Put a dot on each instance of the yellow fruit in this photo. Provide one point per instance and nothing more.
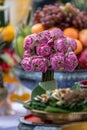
(8, 33)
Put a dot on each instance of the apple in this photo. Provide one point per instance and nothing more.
(83, 37)
(82, 58)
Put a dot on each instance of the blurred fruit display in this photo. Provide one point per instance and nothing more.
(7, 34)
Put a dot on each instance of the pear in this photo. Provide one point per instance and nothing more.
(19, 46)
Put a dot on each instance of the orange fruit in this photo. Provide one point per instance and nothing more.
(36, 28)
(71, 32)
(8, 33)
(52, 28)
(79, 47)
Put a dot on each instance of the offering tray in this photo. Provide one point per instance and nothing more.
(31, 122)
(60, 118)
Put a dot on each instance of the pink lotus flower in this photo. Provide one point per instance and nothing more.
(43, 37)
(43, 50)
(71, 44)
(39, 64)
(70, 62)
(29, 42)
(61, 45)
(26, 54)
(51, 43)
(57, 61)
(49, 50)
(56, 33)
(26, 64)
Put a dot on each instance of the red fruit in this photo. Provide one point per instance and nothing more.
(83, 59)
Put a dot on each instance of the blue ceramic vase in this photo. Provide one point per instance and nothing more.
(64, 79)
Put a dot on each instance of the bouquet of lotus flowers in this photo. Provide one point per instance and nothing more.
(49, 51)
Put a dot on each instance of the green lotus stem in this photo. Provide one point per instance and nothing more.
(48, 75)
